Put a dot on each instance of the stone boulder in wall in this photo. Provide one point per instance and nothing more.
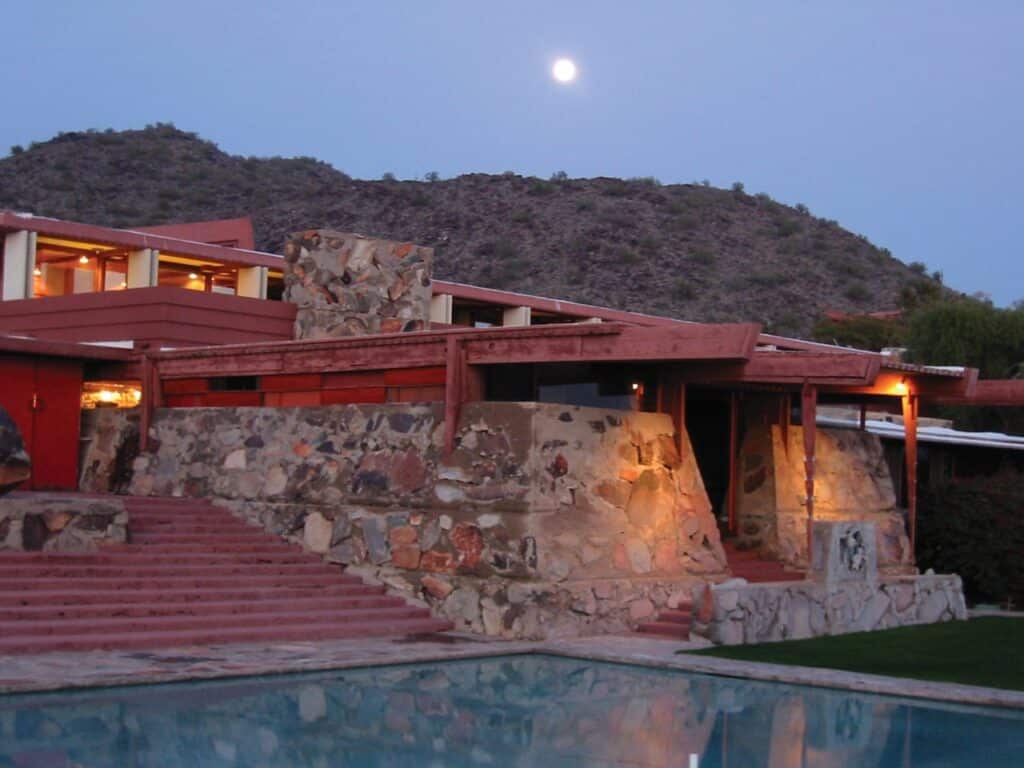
(15, 465)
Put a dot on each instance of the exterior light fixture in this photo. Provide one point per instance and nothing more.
(901, 387)
(193, 276)
(83, 259)
(37, 272)
(635, 386)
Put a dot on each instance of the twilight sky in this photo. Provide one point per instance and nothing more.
(902, 120)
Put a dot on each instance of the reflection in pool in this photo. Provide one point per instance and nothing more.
(508, 711)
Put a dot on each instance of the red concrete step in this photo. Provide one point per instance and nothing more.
(318, 631)
(71, 595)
(177, 582)
(41, 571)
(242, 537)
(211, 547)
(197, 608)
(111, 556)
(137, 624)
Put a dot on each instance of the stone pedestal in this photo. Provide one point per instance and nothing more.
(843, 551)
(349, 285)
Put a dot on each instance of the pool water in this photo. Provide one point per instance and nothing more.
(506, 711)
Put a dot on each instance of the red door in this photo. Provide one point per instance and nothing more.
(43, 396)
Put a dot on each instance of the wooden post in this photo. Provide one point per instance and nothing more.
(679, 412)
(910, 405)
(734, 430)
(146, 417)
(863, 416)
(452, 391)
(785, 417)
(809, 417)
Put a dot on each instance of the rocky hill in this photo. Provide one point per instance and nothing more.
(687, 250)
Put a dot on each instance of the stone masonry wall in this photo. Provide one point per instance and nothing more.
(348, 285)
(111, 442)
(736, 612)
(545, 520)
(852, 482)
(53, 523)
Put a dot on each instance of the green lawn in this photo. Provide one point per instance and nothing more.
(988, 651)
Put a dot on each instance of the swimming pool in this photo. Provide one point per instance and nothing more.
(506, 711)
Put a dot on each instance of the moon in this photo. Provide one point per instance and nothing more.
(564, 70)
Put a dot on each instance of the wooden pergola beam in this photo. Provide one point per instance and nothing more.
(793, 368)
(990, 392)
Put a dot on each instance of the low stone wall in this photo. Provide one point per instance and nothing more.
(735, 612)
(545, 520)
(110, 445)
(55, 524)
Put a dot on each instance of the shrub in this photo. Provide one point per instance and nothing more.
(787, 227)
(702, 256)
(388, 176)
(801, 208)
(974, 528)
(857, 292)
(648, 244)
(539, 188)
(17, 149)
(737, 187)
(683, 291)
(432, 176)
(919, 267)
(559, 176)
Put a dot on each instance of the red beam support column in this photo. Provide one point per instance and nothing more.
(146, 417)
(453, 390)
(809, 417)
(734, 430)
(910, 405)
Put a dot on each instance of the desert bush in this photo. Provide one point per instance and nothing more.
(857, 292)
(976, 528)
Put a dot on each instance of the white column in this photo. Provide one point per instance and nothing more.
(143, 268)
(515, 316)
(252, 282)
(19, 264)
(441, 308)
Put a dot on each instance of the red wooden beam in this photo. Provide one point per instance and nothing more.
(992, 392)
(795, 368)
(454, 357)
(809, 417)
(910, 406)
(627, 344)
(734, 426)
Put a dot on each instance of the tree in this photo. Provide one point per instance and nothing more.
(976, 334)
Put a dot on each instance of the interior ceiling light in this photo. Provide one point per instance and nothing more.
(193, 276)
(37, 272)
(83, 259)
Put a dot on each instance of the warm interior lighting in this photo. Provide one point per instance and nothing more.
(110, 394)
(193, 276)
(37, 272)
(635, 385)
(901, 387)
(83, 260)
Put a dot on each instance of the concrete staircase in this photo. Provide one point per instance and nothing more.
(192, 574)
(670, 623)
(749, 565)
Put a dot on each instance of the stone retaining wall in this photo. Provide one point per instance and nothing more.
(55, 524)
(735, 612)
(546, 519)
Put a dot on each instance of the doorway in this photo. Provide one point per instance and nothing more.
(43, 397)
(707, 421)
